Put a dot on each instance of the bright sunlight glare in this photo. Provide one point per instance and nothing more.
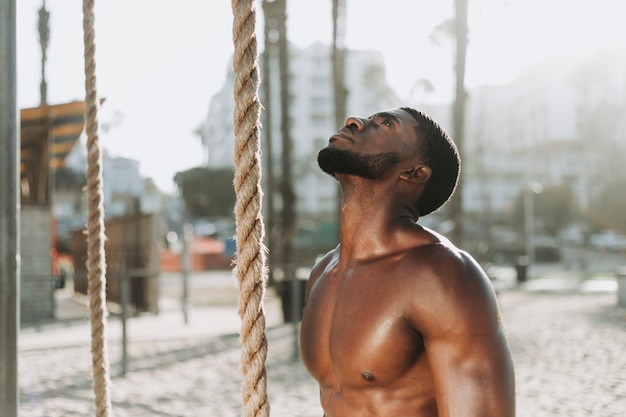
(160, 63)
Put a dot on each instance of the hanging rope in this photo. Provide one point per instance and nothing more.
(96, 265)
(250, 263)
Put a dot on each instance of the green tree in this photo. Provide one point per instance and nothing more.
(207, 192)
(608, 210)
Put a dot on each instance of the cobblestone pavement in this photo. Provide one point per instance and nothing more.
(568, 351)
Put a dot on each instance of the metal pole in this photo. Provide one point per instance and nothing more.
(9, 213)
(186, 261)
(529, 222)
(124, 293)
(621, 286)
(296, 311)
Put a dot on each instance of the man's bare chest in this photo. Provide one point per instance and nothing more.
(357, 324)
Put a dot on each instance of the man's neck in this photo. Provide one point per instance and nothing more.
(371, 222)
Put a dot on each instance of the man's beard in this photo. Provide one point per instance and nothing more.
(337, 161)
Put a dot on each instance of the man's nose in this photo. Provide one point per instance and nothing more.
(357, 122)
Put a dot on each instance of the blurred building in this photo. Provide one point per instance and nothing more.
(47, 135)
(133, 227)
(53, 198)
(125, 191)
(311, 110)
(560, 123)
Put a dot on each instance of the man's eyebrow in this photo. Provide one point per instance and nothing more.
(386, 115)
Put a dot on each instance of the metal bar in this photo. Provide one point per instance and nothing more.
(9, 213)
(187, 240)
(124, 281)
(296, 310)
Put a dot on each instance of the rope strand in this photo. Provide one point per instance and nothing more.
(250, 262)
(96, 265)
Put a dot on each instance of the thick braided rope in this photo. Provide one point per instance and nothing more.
(250, 263)
(96, 265)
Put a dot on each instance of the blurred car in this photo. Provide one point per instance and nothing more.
(574, 234)
(608, 240)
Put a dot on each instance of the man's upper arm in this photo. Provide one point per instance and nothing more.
(466, 347)
(473, 375)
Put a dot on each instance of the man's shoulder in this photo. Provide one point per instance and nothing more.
(434, 250)
(447, 282)
(323, 261)
(444, 268)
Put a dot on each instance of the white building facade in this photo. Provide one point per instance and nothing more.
(555, 125)
(312, 120)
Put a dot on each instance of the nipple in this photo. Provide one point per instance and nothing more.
(367, 376)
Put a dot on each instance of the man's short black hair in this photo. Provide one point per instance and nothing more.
(439, 152)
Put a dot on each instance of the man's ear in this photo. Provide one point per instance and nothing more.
(418, 174)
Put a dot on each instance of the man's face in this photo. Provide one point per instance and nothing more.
(369, 147)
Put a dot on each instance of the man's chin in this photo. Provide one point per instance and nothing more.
(338, 161)
(330, 160)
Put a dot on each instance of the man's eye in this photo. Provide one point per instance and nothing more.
(386, 122)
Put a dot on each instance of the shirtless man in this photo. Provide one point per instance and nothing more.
(398, 322)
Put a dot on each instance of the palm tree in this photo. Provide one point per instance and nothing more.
(286, 185)
(44, 39)
(275, 31)
(266, 59)
(338, 59)
(458, 115)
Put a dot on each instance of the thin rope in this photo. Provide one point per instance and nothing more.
(250, 261)
(96, 265)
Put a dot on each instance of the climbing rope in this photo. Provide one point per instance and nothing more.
(250, 261)
(96, 265)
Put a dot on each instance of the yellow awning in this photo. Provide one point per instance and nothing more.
(59, 125)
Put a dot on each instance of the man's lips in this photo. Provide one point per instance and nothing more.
(340, 136)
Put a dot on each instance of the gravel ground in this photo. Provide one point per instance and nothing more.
(568, 350)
